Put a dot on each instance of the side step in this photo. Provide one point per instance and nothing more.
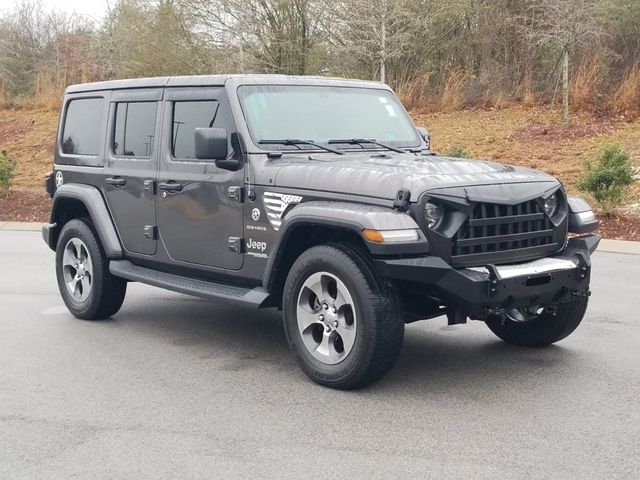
(257, 297)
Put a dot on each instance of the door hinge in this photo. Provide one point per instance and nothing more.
(235, 244)
(150, 232)
(149, 186)
(236, 193)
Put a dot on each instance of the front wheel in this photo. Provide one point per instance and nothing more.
(343, 322)
(541, 329)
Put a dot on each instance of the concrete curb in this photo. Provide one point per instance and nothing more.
(21, 226)
(606, 245)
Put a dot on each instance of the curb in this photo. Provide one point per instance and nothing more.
(21, 226)
(606, 245)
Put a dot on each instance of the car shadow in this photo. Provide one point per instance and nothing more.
(435, 357)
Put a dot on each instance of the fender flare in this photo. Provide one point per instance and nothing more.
(95, 204)
(351, 217)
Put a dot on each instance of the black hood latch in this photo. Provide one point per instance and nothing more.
(403, 197)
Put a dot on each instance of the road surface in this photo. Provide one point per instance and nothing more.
(175, 387)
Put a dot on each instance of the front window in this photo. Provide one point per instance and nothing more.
(323, 114)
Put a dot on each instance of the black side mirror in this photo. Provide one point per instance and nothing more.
(210, 143)
(426, 136)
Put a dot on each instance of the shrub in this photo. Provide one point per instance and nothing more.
(607, 178)
(457, 152)
(7, 167)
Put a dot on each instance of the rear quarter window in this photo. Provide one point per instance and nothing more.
(81, 132)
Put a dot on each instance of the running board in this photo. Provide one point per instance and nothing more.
(257, 297)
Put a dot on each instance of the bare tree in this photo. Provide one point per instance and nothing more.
(564, 26)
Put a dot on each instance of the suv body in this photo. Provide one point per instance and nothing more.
(178, 182)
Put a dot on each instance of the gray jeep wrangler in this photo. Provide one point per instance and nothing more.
(316, 196)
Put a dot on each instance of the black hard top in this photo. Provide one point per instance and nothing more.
(218, 80)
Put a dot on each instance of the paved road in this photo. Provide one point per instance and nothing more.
(174, 387)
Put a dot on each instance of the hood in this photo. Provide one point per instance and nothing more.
(382, 175)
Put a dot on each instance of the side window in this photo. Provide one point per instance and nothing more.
(134, 130)
(82, 124)
(187, 116)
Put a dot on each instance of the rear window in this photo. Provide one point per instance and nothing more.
(82, 125)
(134, 129)
(187, 116)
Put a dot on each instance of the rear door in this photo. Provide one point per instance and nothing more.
(131, 166)
(201, 217)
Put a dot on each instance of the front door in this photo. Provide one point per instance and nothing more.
(199, 218)
(131, 166)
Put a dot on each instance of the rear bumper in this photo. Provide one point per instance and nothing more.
(478, 290)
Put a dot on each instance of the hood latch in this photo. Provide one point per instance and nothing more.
(403, 197)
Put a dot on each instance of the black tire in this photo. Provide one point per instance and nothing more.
(107, 292)
(380, 327)
(543, 330)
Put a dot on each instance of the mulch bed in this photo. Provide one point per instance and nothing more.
(34, 206)
(621, 227)
(535, 132)
(25, 206)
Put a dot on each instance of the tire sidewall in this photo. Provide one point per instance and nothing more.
(314, 261)
(81, 230)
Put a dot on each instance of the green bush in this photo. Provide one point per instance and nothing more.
(7, 167)
(457, 152)
(607, 178)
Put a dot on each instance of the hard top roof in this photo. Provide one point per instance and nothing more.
(217, 80)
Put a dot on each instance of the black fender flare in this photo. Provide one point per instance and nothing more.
(351, 217)
(95, 204)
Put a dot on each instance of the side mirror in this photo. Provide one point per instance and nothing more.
(426, 136)
(210, 143)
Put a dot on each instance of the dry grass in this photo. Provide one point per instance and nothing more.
(584, 88)
(500, 135)
(453, 93)
(626, 101)
(28, 136)
(531, 137)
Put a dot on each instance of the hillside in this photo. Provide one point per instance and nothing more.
(523, 136)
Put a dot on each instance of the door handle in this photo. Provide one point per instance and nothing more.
(170, 186)
(116, 181)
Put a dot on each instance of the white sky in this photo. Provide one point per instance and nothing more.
(90, 8)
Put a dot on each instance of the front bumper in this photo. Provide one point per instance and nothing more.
(475, 291)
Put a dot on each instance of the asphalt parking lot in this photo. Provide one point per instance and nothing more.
(175, 387)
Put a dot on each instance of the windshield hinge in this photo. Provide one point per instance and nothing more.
(402, 200)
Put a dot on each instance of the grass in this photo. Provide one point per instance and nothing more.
(530, 137)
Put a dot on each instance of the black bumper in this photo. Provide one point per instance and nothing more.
(50, 234)
(474, 291)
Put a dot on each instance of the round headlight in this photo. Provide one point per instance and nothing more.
(432, 214)
(551, 205)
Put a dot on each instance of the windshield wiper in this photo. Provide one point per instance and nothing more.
(360, 141)
(289, 141)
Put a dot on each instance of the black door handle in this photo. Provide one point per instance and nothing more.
(116, 181)
(170, 186)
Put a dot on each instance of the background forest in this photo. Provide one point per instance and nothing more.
(446, 54)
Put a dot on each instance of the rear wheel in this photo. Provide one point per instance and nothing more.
(87, 287)
(540, 329)
(343, 323)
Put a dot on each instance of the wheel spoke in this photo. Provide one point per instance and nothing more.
(348, 335)
(326, 317)
(306, 318)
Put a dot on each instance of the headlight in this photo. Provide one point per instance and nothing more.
(432, 214)
(551, 205)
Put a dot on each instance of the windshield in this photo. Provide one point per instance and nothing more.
(326, 113)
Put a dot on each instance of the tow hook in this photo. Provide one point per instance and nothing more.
(581, 293)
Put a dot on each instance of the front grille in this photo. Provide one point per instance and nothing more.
(493, 228)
